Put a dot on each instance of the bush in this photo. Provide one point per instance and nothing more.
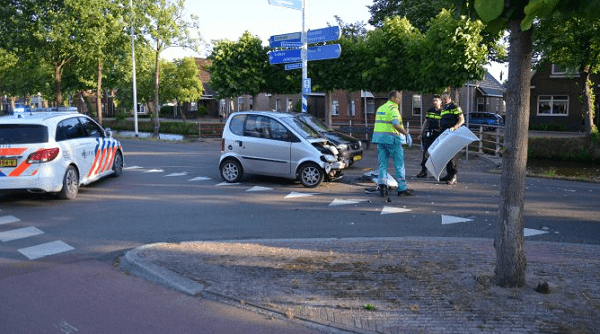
(166, 111)
(202, 111)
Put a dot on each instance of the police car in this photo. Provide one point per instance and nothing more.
(56, 152)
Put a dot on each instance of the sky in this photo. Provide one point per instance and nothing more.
(228, 19)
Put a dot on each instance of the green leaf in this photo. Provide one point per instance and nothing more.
(489, 10)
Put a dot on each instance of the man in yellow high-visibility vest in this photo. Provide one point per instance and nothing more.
(386, 134)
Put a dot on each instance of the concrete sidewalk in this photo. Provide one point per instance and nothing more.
(387, 285)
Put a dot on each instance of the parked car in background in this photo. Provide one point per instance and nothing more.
(276, 144)
(55, 152)
(350, 148)
(477, 119)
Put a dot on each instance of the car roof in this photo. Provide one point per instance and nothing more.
(274, 114)
(37, 117)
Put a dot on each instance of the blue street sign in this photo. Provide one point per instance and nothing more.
(294, 4)
(293, 66)
(312, 36)
(306, 86)
(314, 53)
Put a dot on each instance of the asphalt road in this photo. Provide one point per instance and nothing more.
(172, 192)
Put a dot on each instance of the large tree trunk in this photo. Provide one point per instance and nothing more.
(588, 107)
(99, 92)
(510, 254)
(57, 84)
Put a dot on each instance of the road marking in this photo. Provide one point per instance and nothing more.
(8, 220)
(133, 167)
(200, 178)
(20, 233)
(227, 184)
(346, 201)
(50, 248)
(390, 209)
(176, 174)
(530, 232)
(454, 220)
(154, 171)
(258, 188)
(294, 194)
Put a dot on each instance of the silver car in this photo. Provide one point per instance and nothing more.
(276, 144)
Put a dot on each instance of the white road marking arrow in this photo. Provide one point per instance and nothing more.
(529, 232)
(257, 188)
(177, 174)
(200, 178)
(294, 194)
(346, 201)
(390, 209)
(454, 220)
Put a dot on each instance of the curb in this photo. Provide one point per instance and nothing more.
(137, 266)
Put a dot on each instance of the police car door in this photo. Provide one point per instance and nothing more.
(103, 149)
(73, 141)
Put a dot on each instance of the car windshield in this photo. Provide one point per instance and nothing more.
(23, 134)
(301, 128)
(315, 123)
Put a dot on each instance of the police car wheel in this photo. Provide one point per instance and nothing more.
(118, 164)
(70, 184)
(231, 171)
(311, 175)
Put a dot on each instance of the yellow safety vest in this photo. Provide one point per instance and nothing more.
(383, 120)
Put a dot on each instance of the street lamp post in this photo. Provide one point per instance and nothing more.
(135, 113)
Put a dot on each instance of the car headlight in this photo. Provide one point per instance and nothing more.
(342, 147)
(328, 158)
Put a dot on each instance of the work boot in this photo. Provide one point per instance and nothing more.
(452, 180)
(406, 192)
(446, 178)
(383, 190)
(422, 174)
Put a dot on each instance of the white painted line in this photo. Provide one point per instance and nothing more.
(294, 194)
(227, 184)
(529, 232)
(200, 178)
(50, 248)
(454, 220)
(258, 188)
(390, 209)
(176, 174)
(20, 233)
(346, 201)
(154, 171)
(8, 220)
(133, 167)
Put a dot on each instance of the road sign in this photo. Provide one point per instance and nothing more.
(294, 4)
(293, 66)
(306, 86)
(321, 52)
(312, 36)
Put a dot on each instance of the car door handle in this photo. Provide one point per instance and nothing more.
(239, 142)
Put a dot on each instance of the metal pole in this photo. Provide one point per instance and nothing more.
(135, 113)
(304, 53)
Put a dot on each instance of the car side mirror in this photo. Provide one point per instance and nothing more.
(108, 132)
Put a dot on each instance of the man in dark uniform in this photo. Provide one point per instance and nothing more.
(430, 131)
(452, 118)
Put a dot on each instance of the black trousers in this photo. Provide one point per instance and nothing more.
(428, 139)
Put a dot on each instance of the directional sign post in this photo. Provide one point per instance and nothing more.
(306, 86)
(322, 52)
(313, 36)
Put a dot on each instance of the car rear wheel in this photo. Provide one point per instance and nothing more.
(118, 164)
(231, 171)
(311, 175)
(70, 184)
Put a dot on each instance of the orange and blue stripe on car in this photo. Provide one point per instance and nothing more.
(21, 167)
(105, 153)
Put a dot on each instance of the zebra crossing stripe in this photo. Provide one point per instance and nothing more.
(49, 248)
(8, 220)
(20, 233)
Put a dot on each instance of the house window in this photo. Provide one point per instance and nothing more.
(193, 106)
(223, 106)
(240, 103)
(417, 105)
(553, 105)
(480, 104)
(351, 109)
(277, 104)
(289, 105)
(335, 108)
(561, 71)
(251, 104)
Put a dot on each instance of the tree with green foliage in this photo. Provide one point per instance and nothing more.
(165, 24)
(180, 81)
(572, 42)
(417, 12)
(518, 18)
(240, 67)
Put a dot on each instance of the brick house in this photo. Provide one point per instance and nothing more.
(556, 102)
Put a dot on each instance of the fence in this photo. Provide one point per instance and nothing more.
(491, 139)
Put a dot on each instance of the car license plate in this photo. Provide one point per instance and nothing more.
(357, 157)
(8, 162)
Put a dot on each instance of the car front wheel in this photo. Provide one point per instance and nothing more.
(231, 171)
(70, 184)
(311, 175)
(118, 164)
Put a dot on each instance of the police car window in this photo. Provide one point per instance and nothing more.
(69, 129)
(92, 129)
(23, 134)
(236, 125)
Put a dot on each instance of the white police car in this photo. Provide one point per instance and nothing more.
(55, 152)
